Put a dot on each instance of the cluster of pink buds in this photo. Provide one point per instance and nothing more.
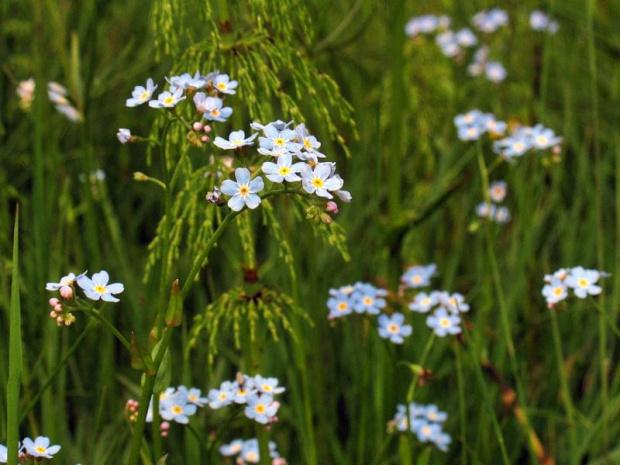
(163, 428)
(59, 313)
(131, 410)
(198, 127)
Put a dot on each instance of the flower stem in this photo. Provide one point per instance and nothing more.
(99, 317)
(416, 376)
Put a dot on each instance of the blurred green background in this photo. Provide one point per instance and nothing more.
(414, 185)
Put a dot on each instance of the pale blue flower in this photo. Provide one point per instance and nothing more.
(123, 135)
(401, 419)
(243, 191)
(64, 281)
(492, 125)
(194, 397)
(339, 305)
(495, 71)
(491, 20)
(98, 287)
(512, 146)
(278, 125)
(310, 144)
(176, 408)
(167, 99)
(583, 282)
(433, 414)
(223, 396)
(261, 408)
(321, 180)
(443, 323)
(442, 441)
(367, 298)
(141, 94)
(544, 138)
(241, 392)
(236, 139)
(486, 210)
(419, 275)
(4, 454)
(502, 215)
(232, 448)
(466, 38)
(267, 385)
(393, 327)
(283, 170)
(426, 431)
(454, 303)
(498, 191)
(423, 302)
(40, 447)
(448, 42)
(555, 291)
(186, 81)
(224, 85)
(211, 107)
(278, 139)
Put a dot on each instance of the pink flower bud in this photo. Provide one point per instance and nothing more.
(164, 434)
(66, 292)
(165, 426)
(332, 207)
(197, 126)
(207, 129)
(204, 139)
(60, 320)
(557, 149)
(53, 314)
(54, 301)
(58, 308)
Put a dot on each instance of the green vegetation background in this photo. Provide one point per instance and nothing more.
(343, 383)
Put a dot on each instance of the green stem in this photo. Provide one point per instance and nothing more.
(145, 398)
(462, 406)
(57, 369)
(607, 318)
(566, 397)
(384, 448)
(416, 376)
(199, 439)
(99, 317)
(263, 444)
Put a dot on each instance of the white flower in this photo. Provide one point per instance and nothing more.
(321, 180)
(243, 191)
(167, 100)
(98, 287)
(141, 94)
(211, 107)
(3, 454)
(124, 135)
(283, 170)
(40, 447)
(235, 140)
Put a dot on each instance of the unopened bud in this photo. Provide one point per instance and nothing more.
(331, 207)
(58, 308)
(139, 176)
(54, 301)
(197, 126)
(207, 128)
(66, 292)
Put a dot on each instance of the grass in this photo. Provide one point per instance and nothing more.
(415, 187)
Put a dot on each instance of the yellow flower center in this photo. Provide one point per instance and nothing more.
(342, 306)
(99, 289)
(237, 142)
(452, 301)
(169, 100)
(432, 416)
(425, 302)
(40, 449)
(519, 146)
(144, 95)
(215, 113)
(558, 291)
(583, 282)
(542, 140)
(223, 396)
(244, 190)
(368, 300)
(222, 86)
(426, 430)
(498, 191)
(192, 398)
(307, 143)
(260, 409)
(266, 388)
(471, 132)
(177, 410)
(417, 279)
(444, 322)
(392, 328)
(284, 170)
(242, 392)
(317, 182)
(252, 456)
(468, 119)
(279, 142)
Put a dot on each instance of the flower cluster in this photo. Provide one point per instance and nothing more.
(473, 124)
(426, 24)
(57, 94)
(452, 43)
(525, 138)
(175, 404)
(446, 308)
(539, 21)
(425, 421)
(248, 451)
(32, 450)
(492, 211)
(582, 281)
(489, 21)
(256, 393)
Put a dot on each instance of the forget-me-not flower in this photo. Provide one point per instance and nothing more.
(40, 447)
(368, 298)
(224, 85)
(393, 327)
(443, 323)
(283, 170)
(236, 139)
(141, 94)
(98, 287)
(583, 282)
(243, 191)
(261, 408)
(321, 180)
(167, 99)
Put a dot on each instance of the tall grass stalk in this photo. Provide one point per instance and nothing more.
(15, 353)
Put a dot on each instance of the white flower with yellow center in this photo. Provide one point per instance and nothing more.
(98, 287)
(261, 408)
(443, 323)
(244, 190)
(583, 282)
(141, 94)
(167, 99)
(224, 85)
(321, 180)
(40, 447)
(64, 281)
(283, 170)
(236, 140)
(393, 327)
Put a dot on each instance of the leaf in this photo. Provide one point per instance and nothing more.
(15, 353)
(140, 357)
(162, 381)
(162, 460)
